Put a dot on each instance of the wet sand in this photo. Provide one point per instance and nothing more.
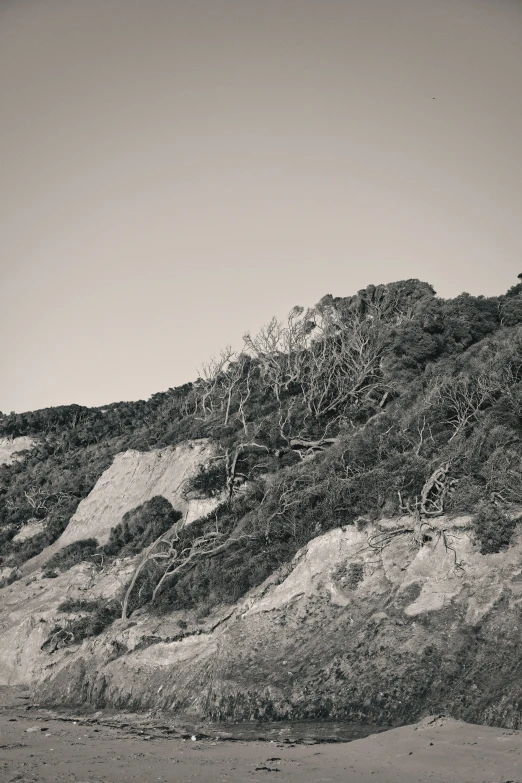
(36, 747)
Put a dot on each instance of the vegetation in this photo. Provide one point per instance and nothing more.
(494, 528)
(388, 402)
(89, 618)
(141, 526)
(138, 528)
(349, 576)
(71, 555)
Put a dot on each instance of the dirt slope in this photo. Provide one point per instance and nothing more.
(380, 634)
(133, 478)
(10, 448)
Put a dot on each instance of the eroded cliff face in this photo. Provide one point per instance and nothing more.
(29, 607)
(133, 478)
(29, 612)
(11, 448)
(364, 624)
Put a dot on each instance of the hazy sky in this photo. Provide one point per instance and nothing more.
(175, 172)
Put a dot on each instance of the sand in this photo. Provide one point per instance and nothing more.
(36, 747)
(11, 448)
(133, 478)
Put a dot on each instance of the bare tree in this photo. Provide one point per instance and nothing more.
(333, 356)
(225, 381)
(208, 388)
(288, 491)
(269, 348)
(466, 396)
(232, 458)
(244, 391)
(38, 499)
(178, 556)
(503, 472)
(343, 364)
(235, 383)
(431, 501)
(280, 349)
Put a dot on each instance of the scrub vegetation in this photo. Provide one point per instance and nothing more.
(392, 401)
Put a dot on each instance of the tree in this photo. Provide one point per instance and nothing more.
(332, 355)
(178, 554)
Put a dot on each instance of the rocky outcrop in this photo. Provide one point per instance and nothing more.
(364, 624)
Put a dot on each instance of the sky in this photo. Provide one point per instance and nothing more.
(174, 173)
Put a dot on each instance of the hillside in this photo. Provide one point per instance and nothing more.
(324, 524)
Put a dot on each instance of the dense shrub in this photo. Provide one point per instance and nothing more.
(493, 528)
(72, 554)
(466, 496)
(349, 575)
(96, 620)
(210, 481)
(78, 605)
(91, 618)
(141, 526)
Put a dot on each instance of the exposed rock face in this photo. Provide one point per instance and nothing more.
(10, 448)
(382, 633)
(31, 528)
(29, 611)
(133, 478)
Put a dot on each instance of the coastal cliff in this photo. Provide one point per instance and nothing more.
(324, 525)
(348, 630)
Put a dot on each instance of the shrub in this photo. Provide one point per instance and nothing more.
(211, 480)
(24, 550)
(92, 618)
(493, 528)
(141, 526)
(100, 617)
(78, 605)
(466, 496)
(349, 576)
(71, 555)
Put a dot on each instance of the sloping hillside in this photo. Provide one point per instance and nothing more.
(324, 523)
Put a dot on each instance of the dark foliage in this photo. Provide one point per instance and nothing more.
(493, 528)
(350, 576)
(90, 619)
(211, 480)
(141, 526)
(72, 554)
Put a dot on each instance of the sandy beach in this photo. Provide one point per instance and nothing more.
(36, 747)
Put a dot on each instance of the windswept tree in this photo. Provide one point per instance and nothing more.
(330, 354)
